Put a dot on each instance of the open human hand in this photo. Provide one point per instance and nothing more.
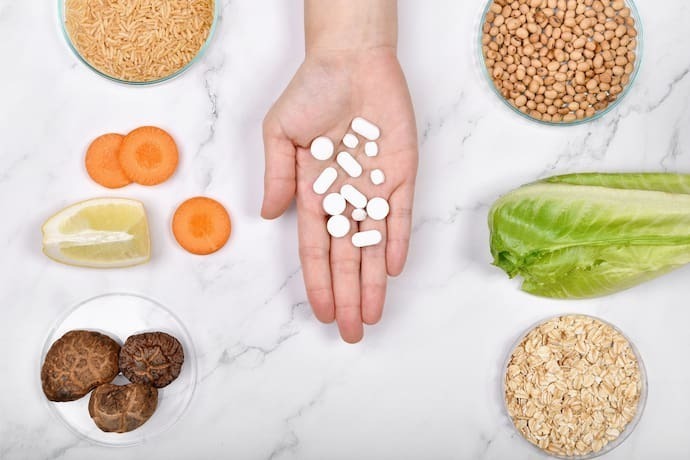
(344, 283)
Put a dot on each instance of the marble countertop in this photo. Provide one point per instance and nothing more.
(274, 383)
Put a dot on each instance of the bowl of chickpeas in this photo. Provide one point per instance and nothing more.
(560, 62)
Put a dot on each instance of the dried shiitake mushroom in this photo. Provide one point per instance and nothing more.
(120, 409)
(151, 358)
(78, 362)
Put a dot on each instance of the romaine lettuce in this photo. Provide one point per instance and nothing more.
(588, 235)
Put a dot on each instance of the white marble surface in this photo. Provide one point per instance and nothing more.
(275, 384)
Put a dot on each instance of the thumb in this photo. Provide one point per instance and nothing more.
(279, 175)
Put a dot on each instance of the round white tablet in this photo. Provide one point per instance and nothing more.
(371, 149)
(334, 204)
(322, 148)
(338, 226)
(377, 177)
(350, 141)
(359, 214)
(378, 208)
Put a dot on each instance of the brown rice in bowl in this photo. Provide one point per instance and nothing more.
(138, 41)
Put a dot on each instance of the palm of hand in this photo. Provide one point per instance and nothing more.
(343, 282)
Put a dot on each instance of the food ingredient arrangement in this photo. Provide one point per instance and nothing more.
(139, 40)
(573, 385)
(335, 204)
(82, 361)
(560, 61)
(114, 232)
(589, 235)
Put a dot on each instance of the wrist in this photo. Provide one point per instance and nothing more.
(350, 25)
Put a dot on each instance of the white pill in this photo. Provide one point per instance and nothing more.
(334, 204)
(366, 128)
(322, 148)
(377, 177)
(368, 238)
(325, 180)
(359, 214)
(338, 226)
(349, 164)
(350, 141)
(378, 208)
(371, 149)
(353, 196)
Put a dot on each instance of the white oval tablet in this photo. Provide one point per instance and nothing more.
(322, 148)
(338, 226)
(334, 204)
(377, 177)
(371, 149)
(325, 180)
(378, 208)
(359, 214)
(368, 238)
(349, 164)
(353, 196)
(366, 128)
(350, 141)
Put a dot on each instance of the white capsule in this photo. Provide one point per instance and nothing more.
(353, 196)
(322, 148)
(350, 141)
(367, 238)
(334, 204)
(378, 208)
(377, 177)
(349, 164)
(366, 128)
(338, 226)
(359, 214)
(371, 149)
(325, 180)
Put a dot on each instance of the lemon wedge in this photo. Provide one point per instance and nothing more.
(99, 233)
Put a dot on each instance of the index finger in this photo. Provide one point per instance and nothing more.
(314, 252)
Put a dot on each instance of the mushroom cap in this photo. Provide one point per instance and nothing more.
(152, 358)
(78, 362)
(120, 409)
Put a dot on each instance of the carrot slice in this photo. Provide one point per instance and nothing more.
(201, 225)
(148, 155)
(102, 161)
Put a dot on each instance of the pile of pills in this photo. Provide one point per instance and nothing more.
(335, 203)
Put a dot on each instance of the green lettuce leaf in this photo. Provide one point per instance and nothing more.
(589, 235)
(660, 182)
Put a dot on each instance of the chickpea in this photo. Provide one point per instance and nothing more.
(560, 60)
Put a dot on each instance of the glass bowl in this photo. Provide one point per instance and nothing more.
(642, 403)
(119, 316)
(633, 76)
(202, 50)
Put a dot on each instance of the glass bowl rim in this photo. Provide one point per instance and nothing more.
(641, 405)
(188, 341)
(211, 33)
(633, 77)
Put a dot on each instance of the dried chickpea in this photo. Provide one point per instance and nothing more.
(560, 60)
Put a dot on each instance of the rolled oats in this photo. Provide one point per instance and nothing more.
(573, 385)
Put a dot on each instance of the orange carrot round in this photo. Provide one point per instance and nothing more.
(102, 163)
(201, 225)
(148, 155)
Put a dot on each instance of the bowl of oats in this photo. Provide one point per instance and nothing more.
(138, 42)
(575, 387)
